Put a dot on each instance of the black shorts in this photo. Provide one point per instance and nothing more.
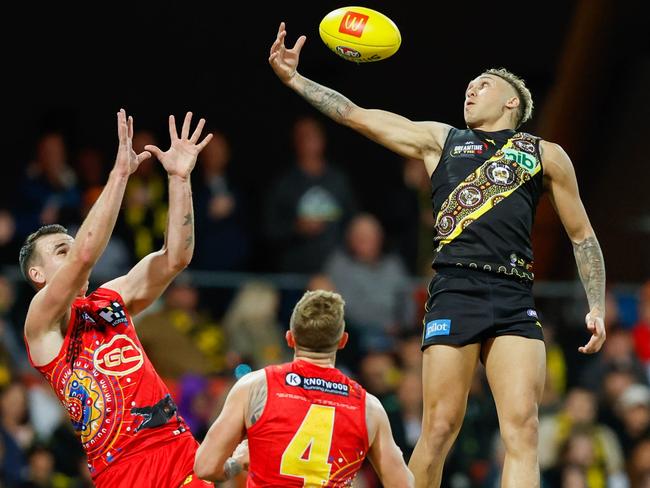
(468, 306)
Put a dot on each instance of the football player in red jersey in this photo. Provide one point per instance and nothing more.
(306, 423)
(86, 346)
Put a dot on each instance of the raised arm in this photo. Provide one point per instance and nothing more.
(150, 277)
(420, 140)
(384, 455)
(564, 194)
(215, 460)
(52, 303)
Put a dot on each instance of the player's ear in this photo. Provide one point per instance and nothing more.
(512, 102)
(343, 341)
(291, 341)
(35, 274)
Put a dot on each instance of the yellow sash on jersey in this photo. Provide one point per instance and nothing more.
(496, 179)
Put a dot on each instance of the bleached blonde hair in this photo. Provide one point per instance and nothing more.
(525, 109)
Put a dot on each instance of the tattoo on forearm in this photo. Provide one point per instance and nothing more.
(591, 267)
(328, 101)
(189, 240)
(232, 468)
(188, 219)
(257, 401)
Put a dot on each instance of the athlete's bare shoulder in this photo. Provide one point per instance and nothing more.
(374, 410)
(555, 160)
(255, 383)
(439, 132)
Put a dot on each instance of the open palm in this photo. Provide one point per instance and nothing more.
(285, 61)
(180, 158)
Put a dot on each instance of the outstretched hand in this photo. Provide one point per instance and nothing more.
(285, 61)
(595, 325)
(180, 158)
(127, 161)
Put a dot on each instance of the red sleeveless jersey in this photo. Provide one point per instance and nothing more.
(115, 399)
(312, 431)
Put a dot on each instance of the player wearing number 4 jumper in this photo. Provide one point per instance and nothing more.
(486, 181)
(307, 423)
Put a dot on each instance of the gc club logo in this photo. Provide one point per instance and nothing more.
(121, 356)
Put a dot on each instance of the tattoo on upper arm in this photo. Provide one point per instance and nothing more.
(232, 468)
(257, 401)
(591, 267)
(328, 101)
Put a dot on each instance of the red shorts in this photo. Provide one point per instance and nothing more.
(166, 465)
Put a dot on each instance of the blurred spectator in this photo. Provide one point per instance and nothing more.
(375, 286)
(40, 470)
(578, 416)
(9, 243)
(639, 465)
(556, 371)
(180, 338)
(16, 435)
(309, 205)
(409, 394)
(410, 353)
(221, 241)
(49, 192)
(380, 375)
(408, 219)
(145, 212)
(13, 356)
(252, 328)
(634, 410)
(641, 330)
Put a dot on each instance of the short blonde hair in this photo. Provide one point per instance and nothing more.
(317, 321)
(525, 110)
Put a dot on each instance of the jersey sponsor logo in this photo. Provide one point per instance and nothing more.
(114, 314)
(353, 23)
(437, 327)
(121, 356)
(523, 159)
(314, 383)
(469, 148)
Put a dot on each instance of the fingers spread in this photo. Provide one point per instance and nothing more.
(142, 156)
(197, 131)
(185, 131)
(155, 150)
(173, 134)
(205, 141)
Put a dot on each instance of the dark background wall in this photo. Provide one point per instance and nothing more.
(587, 63)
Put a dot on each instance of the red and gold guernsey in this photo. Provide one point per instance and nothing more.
(312, 431)
(116, 401)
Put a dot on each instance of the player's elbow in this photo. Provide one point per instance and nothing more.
(205, 470)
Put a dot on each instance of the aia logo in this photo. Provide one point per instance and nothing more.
(119, 357)
(353, 23)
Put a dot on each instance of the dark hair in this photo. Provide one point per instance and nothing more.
(27, 251)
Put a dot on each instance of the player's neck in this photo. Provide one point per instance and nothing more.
(324, 360)
(502, 123)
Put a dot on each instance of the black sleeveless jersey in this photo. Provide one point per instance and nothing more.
(484, 197)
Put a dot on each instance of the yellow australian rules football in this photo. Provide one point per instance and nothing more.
(360, 34)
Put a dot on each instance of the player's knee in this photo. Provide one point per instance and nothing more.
(520, 429)
(439, 428)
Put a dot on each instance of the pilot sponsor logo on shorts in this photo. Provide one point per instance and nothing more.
(437, 327)
(470, 147)
(320, 384)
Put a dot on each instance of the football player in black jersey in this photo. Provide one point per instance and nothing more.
(486, 181)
